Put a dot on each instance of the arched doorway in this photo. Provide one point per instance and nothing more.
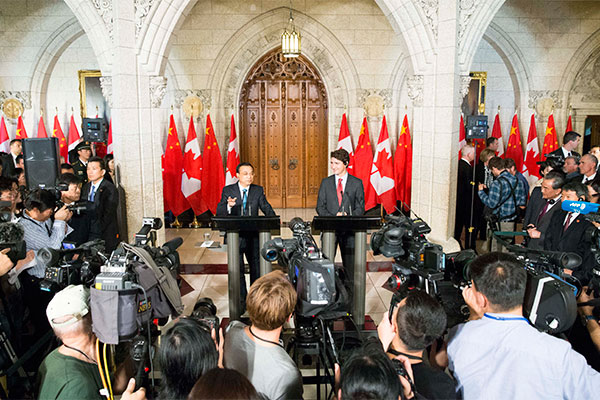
(283, 108)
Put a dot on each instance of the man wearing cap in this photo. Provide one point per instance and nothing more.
(84, 151)
(70, 371)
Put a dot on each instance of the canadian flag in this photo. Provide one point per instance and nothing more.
(233, 156)
(109, 147)
(532, 154)
(74, 137)
(382, 173)
(497, 133)
(462, 136)
(4, 138)
(192, 170)
(345, 142)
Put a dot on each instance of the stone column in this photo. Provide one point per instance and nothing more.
(136, 138)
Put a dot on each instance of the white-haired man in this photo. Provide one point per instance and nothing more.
(464, 198)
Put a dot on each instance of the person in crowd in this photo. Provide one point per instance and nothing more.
(571, 166)
(71, 371)
(223, 383)
(342, 194)
(245, 199)
(464, 198)
(104, 199)
(9, 162)
(594, 191)
(84, 152)
(80, 220)
(567, 231)
(511, 167)
(587, 169)
(595, 151)
(9, 194)
(590, 317)
(256, 350)
(187, 351)
(20, 162)
(66, 168)
(498, 354)
(505, 196)
(482, 175)
(40, 231)
(543, 203)
(545, 167)
(417, 321)
(109, 160)
(570, 143)
(492, 144)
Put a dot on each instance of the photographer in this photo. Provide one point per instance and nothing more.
(498, 354)
(80, 220)
(71, 370)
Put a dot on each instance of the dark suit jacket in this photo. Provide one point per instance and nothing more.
(353, 199)
(574, 240)
(8, 165)
(256, 199)
(559, 152)
(464, 192)
(577, 177)
(104, 212)
(534, 208)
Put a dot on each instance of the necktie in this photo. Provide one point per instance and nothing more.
(244, 200)
(340, 191)
(92, 193)
(585, 180)
(544, 210)
(567, 222)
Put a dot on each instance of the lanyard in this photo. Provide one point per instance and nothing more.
(40, 224)
(494, 317)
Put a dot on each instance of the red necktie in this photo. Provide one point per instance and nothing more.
(340, 191)
(567, 222)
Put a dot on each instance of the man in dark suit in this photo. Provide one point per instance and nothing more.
(567, 231)
(543, 204)
(9, 161)
(588, 166)
(570, 143)
(245, 199)
(104, 199)
(464, 198)
(342, 194)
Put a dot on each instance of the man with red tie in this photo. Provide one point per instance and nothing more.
(342, 194)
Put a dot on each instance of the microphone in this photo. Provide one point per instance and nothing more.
(582, 207)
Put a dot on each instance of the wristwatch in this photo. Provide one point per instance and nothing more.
(587, 318)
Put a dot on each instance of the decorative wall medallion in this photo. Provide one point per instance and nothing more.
(12, 108)
(543, 101)
(192, 105)
(203, 95)
(415, 89)
(23, 97)
(158, 88)
(375, 100)
(374, 105)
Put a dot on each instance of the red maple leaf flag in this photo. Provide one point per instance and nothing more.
(532, 153)
(74, 137)
(403, 165)
(173, 168)
(21, 133)
(550, 139)
(345, 142)
(41, 132)
(382, 172)
(233, 156)
(363, 163)
(109, 146)
(57, 132)
(569, 124)
(164, 178)
(497, 133)
(4, 138)
(192, 170)
(515, 148)
(462, 136)
(213, 175)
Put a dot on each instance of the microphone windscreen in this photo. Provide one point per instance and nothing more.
(582, 207)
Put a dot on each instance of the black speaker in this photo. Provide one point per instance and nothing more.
(94, 129)
(41, 157)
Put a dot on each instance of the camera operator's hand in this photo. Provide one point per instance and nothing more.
(5, 263)
(583, 298)
(63, 214)
(475, 311)
(408, 392)
(219, 344)
(385, 331)
(129, 393)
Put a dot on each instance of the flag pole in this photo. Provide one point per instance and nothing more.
(194, 224)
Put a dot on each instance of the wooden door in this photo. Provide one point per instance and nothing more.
(284, 130)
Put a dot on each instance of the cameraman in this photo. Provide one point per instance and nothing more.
(80, 220)
(40, 232)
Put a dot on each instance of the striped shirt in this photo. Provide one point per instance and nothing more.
(39, 235)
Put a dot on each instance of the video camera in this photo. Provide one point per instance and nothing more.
(11, 234)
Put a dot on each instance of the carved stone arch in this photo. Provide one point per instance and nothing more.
(584, 55)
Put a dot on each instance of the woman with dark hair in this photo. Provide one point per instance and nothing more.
(187, 351)
(109, 161)
(224, 384)
(594, 191)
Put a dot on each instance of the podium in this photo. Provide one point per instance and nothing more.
(359, 225)
(233, 225)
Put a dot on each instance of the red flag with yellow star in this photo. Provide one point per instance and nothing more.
(213, 175)
(57, 132)
(21, 133)
(403, 165)
(173, 169)
(550, 138)
(363, 163)
(514, 149)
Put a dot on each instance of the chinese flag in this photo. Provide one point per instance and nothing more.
(462, 136)
(382, 172)
(403, 165)
(532, 152)
(109, 146)
(162, 168)
(74, 137)
(41, 132)
(173, 170)
(233, 156)
(550, 139)
(4, 138)
(192, 170)
(569, 124)
(497, 133)
(213, 176)
(345, 142)
(21, 133)
(515, 148)
(363, 163)
(57, 132)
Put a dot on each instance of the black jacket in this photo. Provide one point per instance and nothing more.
(534, 208)
(256, 200)
(104, 213)
(353, 199)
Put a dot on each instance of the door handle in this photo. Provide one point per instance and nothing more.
(274, 163)
(293, 163)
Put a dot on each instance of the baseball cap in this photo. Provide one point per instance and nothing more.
(72, 300)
